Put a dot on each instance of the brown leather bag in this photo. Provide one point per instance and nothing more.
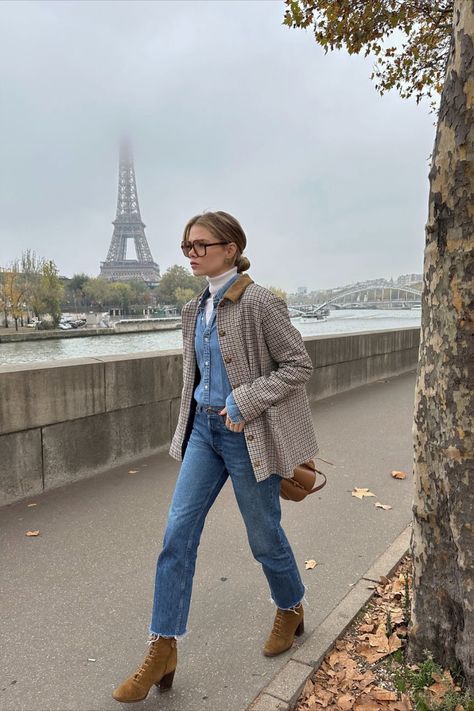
(302, 483)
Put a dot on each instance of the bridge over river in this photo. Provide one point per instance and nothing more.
(381, 296)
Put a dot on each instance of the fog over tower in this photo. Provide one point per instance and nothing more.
(128, 225)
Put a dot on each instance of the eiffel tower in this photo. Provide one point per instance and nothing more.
(128, 225)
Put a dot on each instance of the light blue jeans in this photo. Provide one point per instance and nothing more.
(212, 454)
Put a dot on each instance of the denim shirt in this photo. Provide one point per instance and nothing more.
(214, 387)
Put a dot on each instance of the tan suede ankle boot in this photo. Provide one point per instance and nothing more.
(287, 624)
(158, 668)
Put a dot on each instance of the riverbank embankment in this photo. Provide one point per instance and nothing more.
(26, 334)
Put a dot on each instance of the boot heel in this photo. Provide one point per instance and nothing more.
(300, 629)
(166, 682)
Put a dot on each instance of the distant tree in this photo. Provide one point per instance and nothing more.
(76, 286)
(14, 289)
(182, 296)
(51, 291)
(31, 267)
(139, 292)
(415, 67)
(121, 293)
(98, 293)
(279, 292)
(178, 277)
(3, 298)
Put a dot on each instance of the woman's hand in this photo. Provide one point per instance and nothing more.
(233, 426)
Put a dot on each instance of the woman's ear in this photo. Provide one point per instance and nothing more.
(231, 250)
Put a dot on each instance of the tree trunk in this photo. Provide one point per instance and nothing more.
(442, 539)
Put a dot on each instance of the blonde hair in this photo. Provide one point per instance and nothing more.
(223, 227)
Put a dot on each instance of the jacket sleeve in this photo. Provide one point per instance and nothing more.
(287, 349)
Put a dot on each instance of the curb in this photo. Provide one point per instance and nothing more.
(282, 692)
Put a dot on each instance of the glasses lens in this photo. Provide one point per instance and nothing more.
(199, 248)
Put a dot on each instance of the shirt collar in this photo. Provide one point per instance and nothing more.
(218, 295)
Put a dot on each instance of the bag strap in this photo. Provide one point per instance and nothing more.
(317, 488)
(313, 467)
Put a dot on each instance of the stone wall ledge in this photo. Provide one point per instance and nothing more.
(65, 420)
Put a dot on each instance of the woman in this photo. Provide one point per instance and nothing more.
(244, 413)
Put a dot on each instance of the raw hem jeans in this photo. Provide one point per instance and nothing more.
(212, 454)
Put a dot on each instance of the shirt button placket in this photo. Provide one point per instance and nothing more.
(206, 364)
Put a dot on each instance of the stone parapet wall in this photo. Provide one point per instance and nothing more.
(61, 421)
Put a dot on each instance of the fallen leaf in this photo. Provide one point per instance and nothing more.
(323, 697)
(310, 564)
(399, 584)
(32, 533)
(383, 694)
(396, 613)
(360, 493)
(385, 507)
(438, 691)
(366, 628)
(365, 679)
(394, 643)
(133, 471)
(308, 688)
(345, 702)
(399, 475)
(405, 701)
(364, 703)
(32, 505)
(444, 678)
(371, 654)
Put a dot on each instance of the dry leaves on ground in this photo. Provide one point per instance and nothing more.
(361, 492)
(349, 678)
(399, 475)
(310, 564)
(32, 533)
(443, 683)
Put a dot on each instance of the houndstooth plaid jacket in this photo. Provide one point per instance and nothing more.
(267, 365)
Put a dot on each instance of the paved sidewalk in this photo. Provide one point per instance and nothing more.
(82, 590)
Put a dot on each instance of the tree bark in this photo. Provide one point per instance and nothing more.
(442, 539)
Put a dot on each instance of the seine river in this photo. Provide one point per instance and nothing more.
(337, 322)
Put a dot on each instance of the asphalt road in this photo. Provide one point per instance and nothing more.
(76, 600)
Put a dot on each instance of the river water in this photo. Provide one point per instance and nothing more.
(346, 321)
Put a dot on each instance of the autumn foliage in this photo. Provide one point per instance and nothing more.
(409, 39)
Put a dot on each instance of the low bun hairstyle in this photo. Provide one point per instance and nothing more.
(242, 263)
(223, 227)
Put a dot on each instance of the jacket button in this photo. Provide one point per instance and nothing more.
(222, 332)
(228, 359)
(257, 463)
(250, 437)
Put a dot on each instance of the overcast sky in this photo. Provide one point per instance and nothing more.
(227, 109)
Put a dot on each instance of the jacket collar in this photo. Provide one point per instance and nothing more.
(235, 290)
